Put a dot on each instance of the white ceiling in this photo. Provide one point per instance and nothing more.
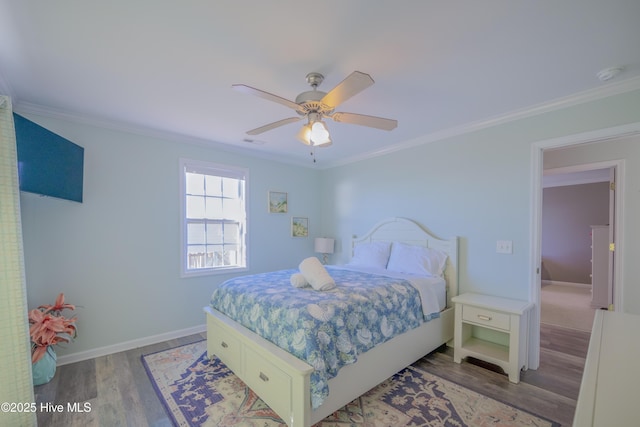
(166, 67)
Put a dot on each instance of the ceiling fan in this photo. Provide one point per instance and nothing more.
(315, 105)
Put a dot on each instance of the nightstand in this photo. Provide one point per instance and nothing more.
(477, 314)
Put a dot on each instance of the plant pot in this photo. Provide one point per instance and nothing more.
(45, 368)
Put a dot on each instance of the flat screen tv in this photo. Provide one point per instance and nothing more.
(48, 164)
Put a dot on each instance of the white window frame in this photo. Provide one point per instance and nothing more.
(209, 168)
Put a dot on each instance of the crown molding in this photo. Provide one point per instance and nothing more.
(611, 89)
(38, 110)
(607, 90)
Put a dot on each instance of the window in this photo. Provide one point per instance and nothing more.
(214, 225)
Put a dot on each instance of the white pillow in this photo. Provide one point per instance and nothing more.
(416, 260)
(374, 254)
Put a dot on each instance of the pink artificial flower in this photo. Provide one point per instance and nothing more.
(49, 327)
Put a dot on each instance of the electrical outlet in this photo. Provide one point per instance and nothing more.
(504, 247)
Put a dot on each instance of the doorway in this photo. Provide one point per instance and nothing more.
(578, 219)
(595, 139)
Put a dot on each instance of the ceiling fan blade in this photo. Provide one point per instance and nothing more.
(355, 83)
(265, 95)
(273, 125)
(363, 120)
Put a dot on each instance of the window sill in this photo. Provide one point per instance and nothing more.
(212, 271)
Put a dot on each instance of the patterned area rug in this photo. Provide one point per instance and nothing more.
(197, 391)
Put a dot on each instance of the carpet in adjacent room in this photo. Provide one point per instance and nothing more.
(567, 306)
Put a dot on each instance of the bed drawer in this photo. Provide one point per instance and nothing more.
(269, 382)
(227, 348)
(486, 317)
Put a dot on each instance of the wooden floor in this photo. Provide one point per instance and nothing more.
(120, 393)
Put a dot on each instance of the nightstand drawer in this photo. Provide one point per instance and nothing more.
(486, 317)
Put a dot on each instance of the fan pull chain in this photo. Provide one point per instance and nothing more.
(312, 154)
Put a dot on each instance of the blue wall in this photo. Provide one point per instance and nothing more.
(477, 186)
(117, 254)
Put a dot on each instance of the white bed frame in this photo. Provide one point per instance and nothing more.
(282, 380)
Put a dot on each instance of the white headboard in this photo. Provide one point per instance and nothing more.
(410, 232)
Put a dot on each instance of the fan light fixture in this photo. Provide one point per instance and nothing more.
(315, 105)
(315, 133)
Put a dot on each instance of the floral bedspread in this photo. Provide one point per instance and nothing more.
(328, 329)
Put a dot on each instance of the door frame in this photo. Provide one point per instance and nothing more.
(537, 149)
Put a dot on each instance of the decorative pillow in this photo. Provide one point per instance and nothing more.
(374, 254)
(298, 281)
(316, 275)
(416, 260)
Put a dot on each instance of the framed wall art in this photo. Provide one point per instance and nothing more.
(277, 202)
(299, 226)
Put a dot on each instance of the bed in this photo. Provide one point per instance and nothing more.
(284, 381)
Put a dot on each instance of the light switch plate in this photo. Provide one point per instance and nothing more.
(504, 247)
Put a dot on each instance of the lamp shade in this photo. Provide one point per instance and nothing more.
(324, 245)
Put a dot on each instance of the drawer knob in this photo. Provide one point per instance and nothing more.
(484, 317)
(263, 377)
(224, 344)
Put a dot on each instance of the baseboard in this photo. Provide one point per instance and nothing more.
(571, 284)
(128, 345)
